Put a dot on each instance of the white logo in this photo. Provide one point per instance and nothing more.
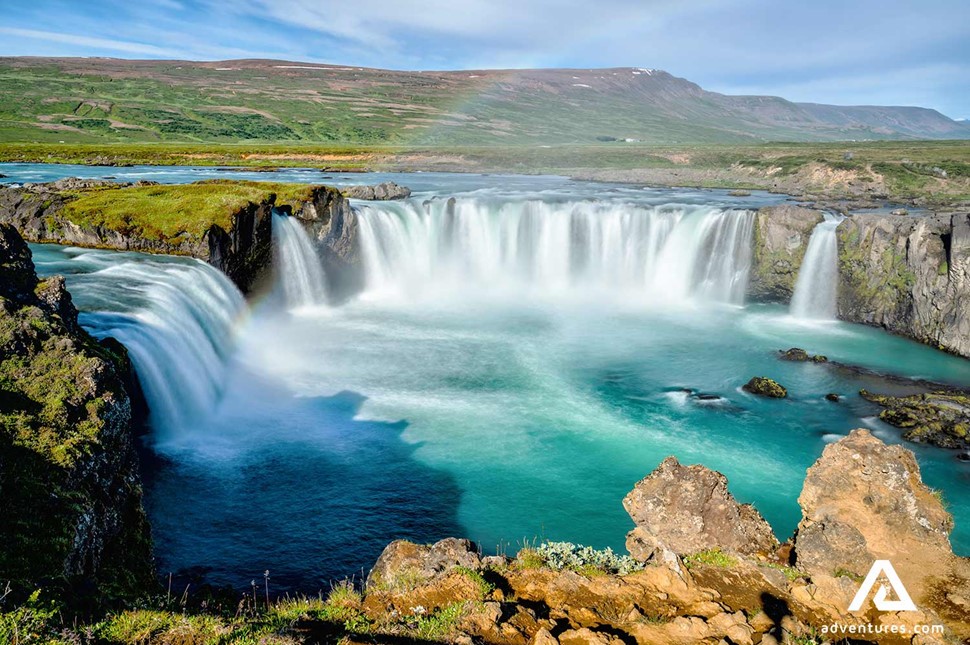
(884, 567)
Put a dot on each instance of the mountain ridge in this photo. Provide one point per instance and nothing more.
(113, 99)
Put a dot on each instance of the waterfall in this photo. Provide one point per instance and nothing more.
(179, 335)
(668, 253)
(300, 274)
(816, 286)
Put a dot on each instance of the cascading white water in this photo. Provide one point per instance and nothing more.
(300, 273)
(816, 287)
(668, 253)
(180, 339)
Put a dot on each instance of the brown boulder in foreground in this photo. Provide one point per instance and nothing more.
(404, 563)
(863, 501)
(687, 509)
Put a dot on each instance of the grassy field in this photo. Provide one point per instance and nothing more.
(168, 211)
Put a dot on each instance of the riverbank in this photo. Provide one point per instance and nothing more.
(932, 174)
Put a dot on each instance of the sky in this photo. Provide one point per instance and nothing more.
(845, 52)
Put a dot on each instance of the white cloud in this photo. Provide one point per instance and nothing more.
(87, 41)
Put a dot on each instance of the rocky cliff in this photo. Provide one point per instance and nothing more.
(781, 235)
(909, 275)
(330, 220)
(227, 224)
(70, 493)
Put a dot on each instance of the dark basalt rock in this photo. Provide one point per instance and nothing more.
(243, 252)
(908, 275)
(763, 386)
(781, 235)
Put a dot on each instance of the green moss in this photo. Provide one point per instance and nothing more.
(790, 573)
(58, 395)
(845, 573)
(883, 285)
(172, 211)
(764, 386)
(941, 418)
(710, 558)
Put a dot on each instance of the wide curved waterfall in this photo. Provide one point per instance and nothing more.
(816, 287)
(179, 335)
(666, 253)
(299, 272)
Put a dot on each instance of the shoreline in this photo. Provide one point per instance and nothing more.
(837, 174)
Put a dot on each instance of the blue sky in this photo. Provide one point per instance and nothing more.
(888, 52)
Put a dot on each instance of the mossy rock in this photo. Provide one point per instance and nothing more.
(799, 355)
(941, 418)
(763, 386)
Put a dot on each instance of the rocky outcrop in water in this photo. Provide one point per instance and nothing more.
(781, 235)
(243, 250)
(70, 493)
(799, 355)
(763, 386)
(686, 509)
(940, 417)
(383, 191)
(909, 275)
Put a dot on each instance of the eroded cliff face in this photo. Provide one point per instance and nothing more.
(242, 252)
(909, 275)
(781, 235)
(332, 223)
(70, 492)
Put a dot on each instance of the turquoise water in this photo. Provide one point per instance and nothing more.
(546, 415)
(489, 411)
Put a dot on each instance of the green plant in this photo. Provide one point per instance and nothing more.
(529, 558)
(439, 624)
(31, 622)
(585, 559)
(485, 588)
(710, 558)
(790, 573)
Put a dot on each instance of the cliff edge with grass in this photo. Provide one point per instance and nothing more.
(70, 491)
(225, 223)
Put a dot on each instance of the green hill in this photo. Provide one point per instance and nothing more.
(93, 100)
